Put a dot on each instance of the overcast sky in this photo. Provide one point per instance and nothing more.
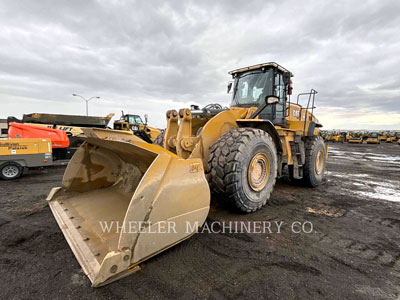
(150, 56)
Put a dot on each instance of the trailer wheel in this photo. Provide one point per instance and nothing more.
(10, 170)
(159, 140)
(242, 168)
(314, 167)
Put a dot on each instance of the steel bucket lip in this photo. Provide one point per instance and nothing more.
(83, 254)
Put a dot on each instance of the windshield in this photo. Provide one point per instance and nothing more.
(252, 87)
(138, 120)
(135, 120)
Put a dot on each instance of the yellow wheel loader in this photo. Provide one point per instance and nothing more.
(355, 138)
(373, 138)
(339, 137)
(329, 137)
(123, 200)
(382, 136)
(391, 137)
(137, 126)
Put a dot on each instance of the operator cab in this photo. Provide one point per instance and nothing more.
(373, 135)
(129, 122)
(251, 86)
(132, 119)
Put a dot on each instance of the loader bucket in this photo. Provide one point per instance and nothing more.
(122, 202)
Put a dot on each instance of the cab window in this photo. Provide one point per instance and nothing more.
(131, 120)
(279, 87)
(138, 120)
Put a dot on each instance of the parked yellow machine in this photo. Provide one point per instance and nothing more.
(17, 154)
(397, 135)
(373, 138)
(365, 135)
(139, 128)
(356, 138)
(391, 137)
(328, 136)
(382, 136)
(237, 152)
(339, 137)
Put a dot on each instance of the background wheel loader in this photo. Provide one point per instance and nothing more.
(373, 138)
(355, 138)
(237, 153)
(391, 137)
(137, 126)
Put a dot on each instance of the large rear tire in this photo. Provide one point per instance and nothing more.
(242, 168)
(314, 167)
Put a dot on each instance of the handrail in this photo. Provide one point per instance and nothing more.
(311, 96)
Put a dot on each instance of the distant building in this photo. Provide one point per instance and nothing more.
(3, 128)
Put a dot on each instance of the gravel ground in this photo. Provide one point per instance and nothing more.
(351, 253)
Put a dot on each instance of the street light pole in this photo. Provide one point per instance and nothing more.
(87, 101)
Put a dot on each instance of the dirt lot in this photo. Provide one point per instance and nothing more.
(352, 252)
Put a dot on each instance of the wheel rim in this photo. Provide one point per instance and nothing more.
(319, 162)
(258, 172)
(10, 171)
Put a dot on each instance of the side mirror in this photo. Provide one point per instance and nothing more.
(229, 87)
(146, 118)
(271, 99)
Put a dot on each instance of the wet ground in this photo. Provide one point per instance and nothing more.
(352, 252)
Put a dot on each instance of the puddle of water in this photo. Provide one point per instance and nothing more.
(376, 189)
(389, 184)
(381, 193)
(386, 158)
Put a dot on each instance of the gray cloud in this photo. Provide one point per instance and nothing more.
(149, 56)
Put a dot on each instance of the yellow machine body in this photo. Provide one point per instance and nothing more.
(373, 139)
(391, 137)
(382, 137)
(179, 136)
(355, 138)
(118, 177)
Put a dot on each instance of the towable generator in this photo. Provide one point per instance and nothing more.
(17, 154)
(237, 152)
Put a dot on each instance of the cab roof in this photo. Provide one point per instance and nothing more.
(268, 64)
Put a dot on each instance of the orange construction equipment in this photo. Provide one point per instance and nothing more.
(59, 138)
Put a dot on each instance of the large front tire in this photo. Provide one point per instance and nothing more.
(242, 168)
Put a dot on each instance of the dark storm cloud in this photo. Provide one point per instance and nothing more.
(171, 52)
